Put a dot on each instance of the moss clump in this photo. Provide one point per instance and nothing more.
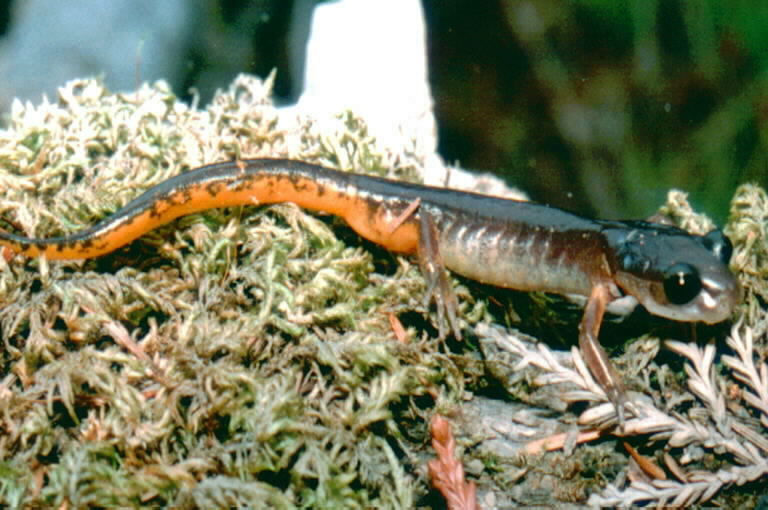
(235, 357)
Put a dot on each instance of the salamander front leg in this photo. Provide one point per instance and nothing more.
(594, 355)
(438, 285)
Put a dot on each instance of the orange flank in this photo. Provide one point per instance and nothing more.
(227, 185)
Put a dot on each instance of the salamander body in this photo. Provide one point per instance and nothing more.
(507, 243)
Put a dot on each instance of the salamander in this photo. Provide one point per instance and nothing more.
(507, 243)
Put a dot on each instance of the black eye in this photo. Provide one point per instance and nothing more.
(720, 246)
(681, 284)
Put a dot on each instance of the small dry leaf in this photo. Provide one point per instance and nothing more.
(648, 466)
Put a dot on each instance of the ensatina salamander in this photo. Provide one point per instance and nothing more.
(507, 243)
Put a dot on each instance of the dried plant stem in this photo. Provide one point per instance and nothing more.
(446, 471)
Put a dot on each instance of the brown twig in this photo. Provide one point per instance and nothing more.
(649, 467)
(557, 441)
(397, 328)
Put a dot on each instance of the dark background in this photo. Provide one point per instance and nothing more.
(587, 105)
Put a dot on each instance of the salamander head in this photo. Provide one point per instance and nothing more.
(672, 273)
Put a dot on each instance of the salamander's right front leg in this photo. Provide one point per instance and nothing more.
(595, 357)
(438, 284)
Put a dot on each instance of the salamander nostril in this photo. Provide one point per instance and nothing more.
(681, 283)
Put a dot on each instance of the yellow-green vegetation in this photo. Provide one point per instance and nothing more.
(236, 357)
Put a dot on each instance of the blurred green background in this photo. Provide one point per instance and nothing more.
(601, 106)
(591, 105)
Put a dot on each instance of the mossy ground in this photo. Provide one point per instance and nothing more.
(236, 357)
(242, 356)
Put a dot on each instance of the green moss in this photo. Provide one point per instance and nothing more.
(234, 357)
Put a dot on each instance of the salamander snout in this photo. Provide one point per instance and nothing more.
(677, 275)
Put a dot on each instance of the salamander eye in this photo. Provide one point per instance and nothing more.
(681, 283)
(719, 245)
